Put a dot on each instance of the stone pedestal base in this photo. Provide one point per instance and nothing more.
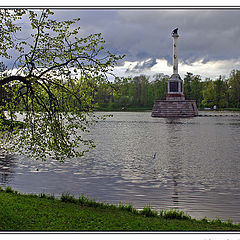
(174, 108)
(175, 97)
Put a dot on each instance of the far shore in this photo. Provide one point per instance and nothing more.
(148, 109)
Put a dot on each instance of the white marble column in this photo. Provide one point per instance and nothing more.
(175, 53)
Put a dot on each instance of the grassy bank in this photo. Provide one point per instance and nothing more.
(19, 212)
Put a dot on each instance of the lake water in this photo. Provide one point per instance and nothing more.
(187, 164)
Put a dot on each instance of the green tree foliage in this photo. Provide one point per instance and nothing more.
(221, 93)
(234, 88)
(196, 89)
(215, 93)
(128, 93)
(187, 85)
(160, 86)
(52, 83)
(193, 87)
(208, 93)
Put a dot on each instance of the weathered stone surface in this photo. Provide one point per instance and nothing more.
(174, 108)
(175, 97)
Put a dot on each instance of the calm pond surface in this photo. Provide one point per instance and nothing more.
(187, 164)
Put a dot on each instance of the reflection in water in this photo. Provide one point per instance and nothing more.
(175, 191)
(174, 140)
(7, 165)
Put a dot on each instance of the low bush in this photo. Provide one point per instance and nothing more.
(9, 190)
(174, 214)
(66, 197)
(148, 212)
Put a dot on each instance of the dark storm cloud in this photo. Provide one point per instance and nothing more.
(142, 34)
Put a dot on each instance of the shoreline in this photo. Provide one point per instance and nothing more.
(150, 109)
(30, 212)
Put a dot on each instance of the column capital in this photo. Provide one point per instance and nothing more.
(175, 35)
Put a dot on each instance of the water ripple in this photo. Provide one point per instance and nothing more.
(187, 164)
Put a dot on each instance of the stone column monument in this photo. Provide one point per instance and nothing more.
(175, 83)
(175, 104)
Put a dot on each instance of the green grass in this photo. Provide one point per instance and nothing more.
(20, 212)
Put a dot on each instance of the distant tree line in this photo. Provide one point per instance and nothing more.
(136, 92)
(141, 92)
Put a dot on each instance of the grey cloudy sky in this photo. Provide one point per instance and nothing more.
(209, 42)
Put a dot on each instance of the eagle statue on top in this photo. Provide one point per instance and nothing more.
(175, 31)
